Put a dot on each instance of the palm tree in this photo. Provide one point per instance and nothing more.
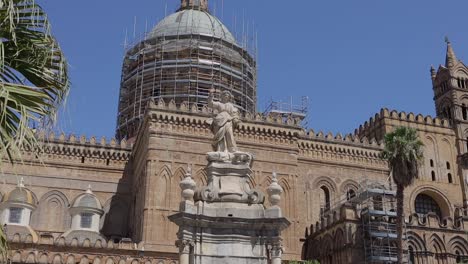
(404, 153)
(33, 76)
(3, 246)
(33, 80)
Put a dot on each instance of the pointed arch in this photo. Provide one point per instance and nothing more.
(201, 178)
(175, 196)
(459, 244)
(437, 244)
(52, 213)
(416, 242)
(163, 185)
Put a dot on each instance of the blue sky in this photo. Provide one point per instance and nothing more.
(350, 57)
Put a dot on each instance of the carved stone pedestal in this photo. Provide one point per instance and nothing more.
(228, 223)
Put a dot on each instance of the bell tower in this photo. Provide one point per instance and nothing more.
(450, 85)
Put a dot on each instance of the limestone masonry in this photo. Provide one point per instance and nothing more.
(186, 183)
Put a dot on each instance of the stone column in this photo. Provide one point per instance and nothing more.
(276, 253)
(184, 251)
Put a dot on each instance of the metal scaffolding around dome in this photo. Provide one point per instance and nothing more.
(185, 56)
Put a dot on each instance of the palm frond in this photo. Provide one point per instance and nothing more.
(33, 76)
(404, 152)
(3, 247)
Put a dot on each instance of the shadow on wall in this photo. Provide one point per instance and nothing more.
(114, 223)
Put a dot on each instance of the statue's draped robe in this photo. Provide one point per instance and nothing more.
(222, 126)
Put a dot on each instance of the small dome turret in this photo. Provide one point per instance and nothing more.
(86, 211)
(87, 200)
(20, 194)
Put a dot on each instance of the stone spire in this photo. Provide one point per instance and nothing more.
(451, 58)
(201, 5)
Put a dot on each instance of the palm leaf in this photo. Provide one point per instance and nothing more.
(3, 247)
(33, 76)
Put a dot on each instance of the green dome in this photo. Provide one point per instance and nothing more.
(192, 21)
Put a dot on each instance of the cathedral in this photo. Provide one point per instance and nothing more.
(111, 201)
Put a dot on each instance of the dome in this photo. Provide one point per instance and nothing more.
(192, 21)
(20, 195)
(87, 200)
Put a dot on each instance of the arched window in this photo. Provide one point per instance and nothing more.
(433, 176)
(449, 176)
(350, 194)
(448, 165)
(324, 199)
(425, 204)
(86, 220)
(464, 113)
(432, 163)
(15, 215)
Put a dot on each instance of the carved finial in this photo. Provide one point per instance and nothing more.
(188, 185)
(451, 58)
(433, 72)
(21, 182)
(274, 191)
(88, 190)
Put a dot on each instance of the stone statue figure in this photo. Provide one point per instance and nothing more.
(225, 120)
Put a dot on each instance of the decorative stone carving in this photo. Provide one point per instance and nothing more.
(274, 191)
(228, 177)
(188, 186)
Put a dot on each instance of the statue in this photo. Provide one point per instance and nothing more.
(224, 122)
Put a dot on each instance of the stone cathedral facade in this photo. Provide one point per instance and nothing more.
(95, 200)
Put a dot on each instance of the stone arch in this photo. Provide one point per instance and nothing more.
(446, 154)
(16, 258)
(438, 196)
(416, 242)
(437, 244)
(287, 206)
(175, 196)
(114, 222)
(459, 244)
(43, 259)
(97, 260)
(348, 189)
(201, 178)
(430, 155)
(110, 260)
(163, 185)
(325, 181)
(57, 259)
(31, 258)
(84, 260)
(325, 191)
(52, 213)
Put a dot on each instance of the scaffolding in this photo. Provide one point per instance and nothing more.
(182, 60)
(287, 109)
(376, 203)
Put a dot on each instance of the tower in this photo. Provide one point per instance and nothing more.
(450, 85)
(185, 56)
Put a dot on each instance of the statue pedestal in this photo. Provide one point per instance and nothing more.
(227, 233)
(228, 223)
